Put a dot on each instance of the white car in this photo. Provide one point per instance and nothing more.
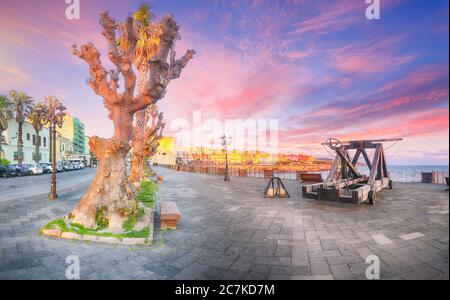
(35, 169)
(59, 166)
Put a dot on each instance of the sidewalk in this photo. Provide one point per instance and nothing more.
(228, 230)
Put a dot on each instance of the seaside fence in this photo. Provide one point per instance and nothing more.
(397, 174)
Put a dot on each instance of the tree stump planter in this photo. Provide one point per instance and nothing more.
(142, 233)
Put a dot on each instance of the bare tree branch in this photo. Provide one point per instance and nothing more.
(98, 81)
(124, 60)
(161, 71)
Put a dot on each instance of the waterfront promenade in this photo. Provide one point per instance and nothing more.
(228, 230)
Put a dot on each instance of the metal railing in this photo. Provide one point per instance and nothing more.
(406, 175)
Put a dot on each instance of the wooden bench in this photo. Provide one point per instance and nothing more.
(169, 215)
(311, 177)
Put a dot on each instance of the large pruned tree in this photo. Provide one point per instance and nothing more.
(143, 136)
(152, 134)
(146, 46)
(110, 192)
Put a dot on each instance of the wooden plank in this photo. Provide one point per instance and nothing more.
(334, 169)
(311, 177)
(366, 158)
(375, 163)
(374, 141)
(347, 163)
(361, 194)
(385, 170)
(356, 157)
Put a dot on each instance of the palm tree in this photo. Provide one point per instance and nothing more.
(38, 119)
(21, 105)
(148, 40)
(5, 115)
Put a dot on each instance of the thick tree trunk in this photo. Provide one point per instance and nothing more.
(20, 144)
(110, 193)
(110, 196)
(137, 162)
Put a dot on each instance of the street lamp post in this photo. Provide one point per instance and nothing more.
(55, 112)
(53, 194)
(225, 140)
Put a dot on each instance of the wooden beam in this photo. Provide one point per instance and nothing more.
(370, 141)
(375, 163)
(356, 157)
(366, 158)
(334, 168)
(347, 163)
(385, 170)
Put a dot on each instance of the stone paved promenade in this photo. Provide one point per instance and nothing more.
(229, 231)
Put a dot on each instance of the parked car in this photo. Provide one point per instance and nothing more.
(21, 169)
(46, 167)
(7, 171)
(59, 166)
(76, 166)
(68, 166)
(35, 169)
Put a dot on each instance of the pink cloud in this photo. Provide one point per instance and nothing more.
(220, 85)
(418, 126)
(373, 57)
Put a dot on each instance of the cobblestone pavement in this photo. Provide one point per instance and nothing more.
(229, 231)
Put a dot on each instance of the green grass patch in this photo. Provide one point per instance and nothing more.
(100, 218)
(146, 193)
(129, 223)
(80, 229)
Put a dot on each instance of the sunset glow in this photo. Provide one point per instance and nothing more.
(319, 67)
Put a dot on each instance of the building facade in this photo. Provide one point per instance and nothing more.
(9, 142)
(73, 129)
(166, 153)
(64, 147)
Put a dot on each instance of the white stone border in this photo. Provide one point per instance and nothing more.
(104, 239)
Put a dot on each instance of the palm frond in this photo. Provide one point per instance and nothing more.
(143, 15)
(21, 104)
(148, 36)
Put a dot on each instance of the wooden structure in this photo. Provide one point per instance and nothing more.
(276, 189)
(309, 177)
(344, 182)
(169, 215)
(433, 177)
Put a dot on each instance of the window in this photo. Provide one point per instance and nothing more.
(34, 140)
(45, 141)
(28, 136)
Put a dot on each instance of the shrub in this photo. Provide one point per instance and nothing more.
(146, 193)
(4, 162)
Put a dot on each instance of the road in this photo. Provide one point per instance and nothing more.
(15, 188)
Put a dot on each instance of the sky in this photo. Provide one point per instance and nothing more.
(321, 68)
